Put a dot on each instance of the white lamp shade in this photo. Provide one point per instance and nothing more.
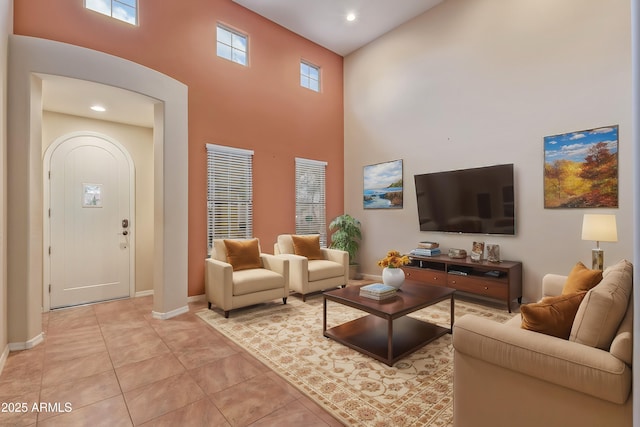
(599, 227)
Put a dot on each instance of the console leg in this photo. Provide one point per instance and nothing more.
(226, 314)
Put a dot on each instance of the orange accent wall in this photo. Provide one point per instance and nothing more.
(261, 107)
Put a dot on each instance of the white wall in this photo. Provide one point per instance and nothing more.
(139, 142)
(6, 25)
(477, 83)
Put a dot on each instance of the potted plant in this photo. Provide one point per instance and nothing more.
(346, 237)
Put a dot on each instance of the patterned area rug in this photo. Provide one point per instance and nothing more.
(356, 389)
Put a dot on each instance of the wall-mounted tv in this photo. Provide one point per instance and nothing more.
(479, 200)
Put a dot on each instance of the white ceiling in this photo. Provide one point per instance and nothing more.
(71, 96)
(321, 21)
(324, 21)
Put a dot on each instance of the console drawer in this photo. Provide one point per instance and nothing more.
(479, 286)
(431, 277)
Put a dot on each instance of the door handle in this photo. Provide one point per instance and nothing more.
(125, 223)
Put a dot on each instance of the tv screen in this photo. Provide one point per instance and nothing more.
(478, 200)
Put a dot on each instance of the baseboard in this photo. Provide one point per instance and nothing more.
(371, 277)
(144, 293)
(170, 314)
(3, 357)
(197, 298)
(17, 346)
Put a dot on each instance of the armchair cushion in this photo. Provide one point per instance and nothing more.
(243, 254)
(250, 281)
(323, 269)
(552, 315)
(581, 279)
(307, 246)
(604, 307)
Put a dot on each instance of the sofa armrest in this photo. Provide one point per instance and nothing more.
(336, 255)
(339, 256)
(298, 268)
(219, 282)
(277, 264)
(568, 364)
(552, 284)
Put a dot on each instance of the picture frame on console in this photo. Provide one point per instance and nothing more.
(477, 251)
(383, 185)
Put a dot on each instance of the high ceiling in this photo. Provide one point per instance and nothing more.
(321, 21)
(324, 21)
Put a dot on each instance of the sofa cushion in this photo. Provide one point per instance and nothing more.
(321, 269)
(552, 315)
(581, 278)
(243, 254)
(254, 280)
(604, 307)
(307, 246)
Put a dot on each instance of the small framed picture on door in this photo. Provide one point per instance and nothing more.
(91, 195)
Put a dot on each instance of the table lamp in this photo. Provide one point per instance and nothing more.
(601, 228)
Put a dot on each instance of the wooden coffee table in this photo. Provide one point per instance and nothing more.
(387, 334)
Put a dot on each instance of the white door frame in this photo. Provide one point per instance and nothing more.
(46, 232)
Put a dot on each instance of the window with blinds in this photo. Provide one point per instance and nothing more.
(310, 198)
(230, 193)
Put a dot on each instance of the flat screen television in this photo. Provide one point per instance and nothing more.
(479, 200)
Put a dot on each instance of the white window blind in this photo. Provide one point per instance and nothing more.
(310, 198)
(230, 193)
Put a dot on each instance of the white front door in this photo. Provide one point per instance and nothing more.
(89, 221)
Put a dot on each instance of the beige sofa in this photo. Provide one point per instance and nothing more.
(313, 275)
(508, 376)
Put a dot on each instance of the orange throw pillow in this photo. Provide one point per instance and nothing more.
(243, 254)
(307, 246)
(552, 315)
(581, 279)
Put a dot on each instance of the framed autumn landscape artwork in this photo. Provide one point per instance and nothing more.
(581, 169)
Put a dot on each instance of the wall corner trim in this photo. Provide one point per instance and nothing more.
(3, 357)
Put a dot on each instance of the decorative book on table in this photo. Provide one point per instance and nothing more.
(428, 245)
(377, 291)
(425, 252)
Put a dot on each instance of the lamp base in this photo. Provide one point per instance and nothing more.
(597, 259)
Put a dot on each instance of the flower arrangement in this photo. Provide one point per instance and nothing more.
(394, 260)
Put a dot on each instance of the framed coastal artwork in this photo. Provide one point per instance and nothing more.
(383, 185)
(581, 169)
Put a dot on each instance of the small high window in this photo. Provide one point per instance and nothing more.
(123, 10)
(232, 45)
(309, 76)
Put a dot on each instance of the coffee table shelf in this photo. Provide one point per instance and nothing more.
(387, 334)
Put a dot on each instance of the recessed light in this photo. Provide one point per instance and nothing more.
(98, 108)
(351, 17)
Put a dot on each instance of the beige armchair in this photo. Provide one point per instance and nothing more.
(505, 375)
(323, 269)
(238, 275)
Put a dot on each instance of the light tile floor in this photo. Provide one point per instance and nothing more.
(113, 364)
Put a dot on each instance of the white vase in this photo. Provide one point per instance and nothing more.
(393, 277)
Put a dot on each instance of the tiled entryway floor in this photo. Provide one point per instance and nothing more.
(113, 364)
